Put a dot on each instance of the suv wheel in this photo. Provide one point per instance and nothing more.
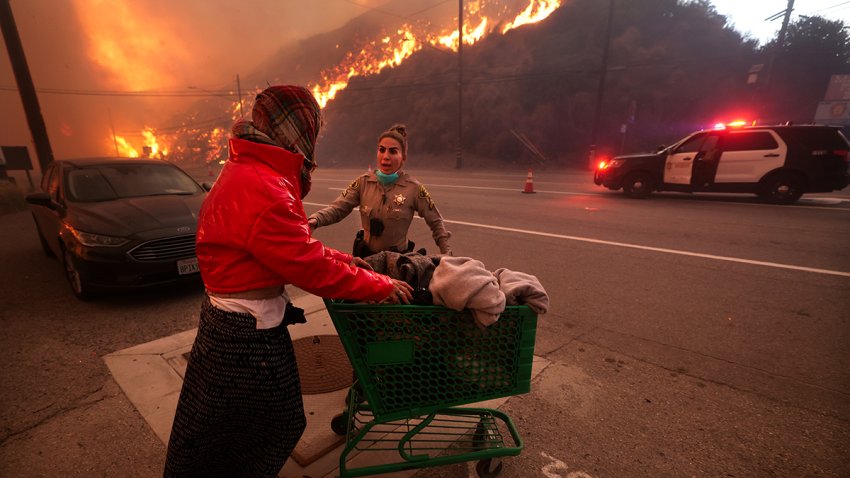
(638, 185)
(782, 188)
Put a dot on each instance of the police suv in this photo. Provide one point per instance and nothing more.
(778, 163)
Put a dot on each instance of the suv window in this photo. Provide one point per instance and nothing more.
(691, 145)
(749, 141)
(818, 138)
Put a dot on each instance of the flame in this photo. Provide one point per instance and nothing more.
(124, 148)
(391, 50)
(536, 11)
(150, 146)
(217, 144)
(152, 143)
(122, 44)
(373, 57)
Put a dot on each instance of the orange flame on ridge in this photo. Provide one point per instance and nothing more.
(371, 59)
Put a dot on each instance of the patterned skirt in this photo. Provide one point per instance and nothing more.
(240, 412)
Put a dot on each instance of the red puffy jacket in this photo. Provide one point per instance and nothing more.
(253, 233)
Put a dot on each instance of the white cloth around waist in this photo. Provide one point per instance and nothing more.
(267, 312)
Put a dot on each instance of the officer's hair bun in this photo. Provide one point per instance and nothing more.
(400, 129)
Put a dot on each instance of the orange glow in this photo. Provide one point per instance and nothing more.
(602, 164)
(128, 44)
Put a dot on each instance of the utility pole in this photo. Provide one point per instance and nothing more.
(600, 90)
(459, 162)
(25, 86)
(239, 92)
(780, 42)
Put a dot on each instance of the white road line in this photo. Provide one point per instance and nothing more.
(804, 200)
(655, 249)
(644, 248)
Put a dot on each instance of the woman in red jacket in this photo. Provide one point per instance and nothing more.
(240, 411)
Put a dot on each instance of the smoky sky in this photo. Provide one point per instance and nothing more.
(86, 55)
(100, 47)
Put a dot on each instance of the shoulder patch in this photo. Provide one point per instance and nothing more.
(423, 193)
(355, 185)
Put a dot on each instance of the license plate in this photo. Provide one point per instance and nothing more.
(188, 266)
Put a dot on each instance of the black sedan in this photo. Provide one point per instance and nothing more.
(119, 222)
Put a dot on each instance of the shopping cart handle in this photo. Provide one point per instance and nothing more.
(412, 433)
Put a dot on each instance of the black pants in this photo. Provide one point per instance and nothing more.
(361, 250)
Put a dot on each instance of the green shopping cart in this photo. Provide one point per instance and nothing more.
(414, 364)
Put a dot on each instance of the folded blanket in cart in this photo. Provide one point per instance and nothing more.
(464, 283)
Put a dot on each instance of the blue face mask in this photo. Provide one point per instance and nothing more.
(386, 179)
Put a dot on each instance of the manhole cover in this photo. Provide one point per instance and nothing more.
(322, 364)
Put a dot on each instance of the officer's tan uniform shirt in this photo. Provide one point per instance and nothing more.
(393, 204)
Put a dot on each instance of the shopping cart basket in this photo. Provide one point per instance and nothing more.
(413, 365)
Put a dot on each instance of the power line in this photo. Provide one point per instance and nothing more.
(140, 94)
(828, 8)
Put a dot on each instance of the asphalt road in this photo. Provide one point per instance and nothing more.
(688, 335)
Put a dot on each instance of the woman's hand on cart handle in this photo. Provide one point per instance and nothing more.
(402, 293)
(358, 262)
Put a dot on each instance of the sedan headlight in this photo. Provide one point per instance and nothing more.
(97, 240)
(615, 163)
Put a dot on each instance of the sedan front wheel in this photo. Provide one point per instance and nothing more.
(76, 278)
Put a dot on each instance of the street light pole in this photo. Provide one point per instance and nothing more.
(239, 92)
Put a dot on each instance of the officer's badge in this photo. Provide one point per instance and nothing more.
(355, 185)
(398, 200)
(423, 193)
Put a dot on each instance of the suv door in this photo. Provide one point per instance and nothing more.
(680, 160)
(748, 155)
(706, 160)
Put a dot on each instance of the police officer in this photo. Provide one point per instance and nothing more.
(387, 199)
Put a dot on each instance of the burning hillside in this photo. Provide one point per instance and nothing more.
(202, 133)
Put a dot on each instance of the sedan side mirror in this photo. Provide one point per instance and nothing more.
(661, 148)
(40, 199)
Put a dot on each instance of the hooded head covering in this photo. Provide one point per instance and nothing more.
(397, 132)
(290, 116)
(286, 116)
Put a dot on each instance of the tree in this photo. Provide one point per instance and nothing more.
(814, 49)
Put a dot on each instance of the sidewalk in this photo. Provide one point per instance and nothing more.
(151, 376)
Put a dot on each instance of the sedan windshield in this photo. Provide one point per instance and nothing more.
(115, 181)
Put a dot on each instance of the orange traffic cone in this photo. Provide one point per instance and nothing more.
(529, 183)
